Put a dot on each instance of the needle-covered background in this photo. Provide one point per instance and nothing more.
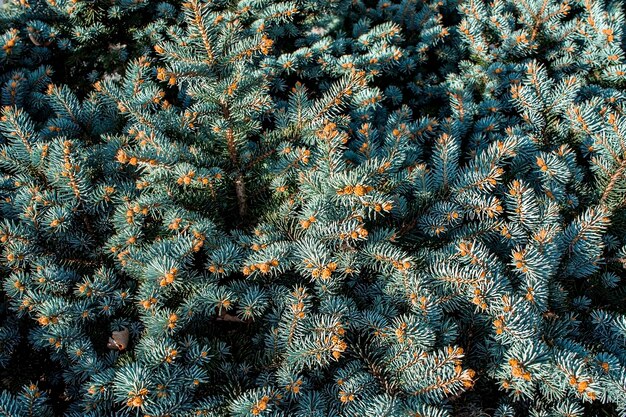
(313, 208)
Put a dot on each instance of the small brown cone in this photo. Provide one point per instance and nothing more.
(119, 340)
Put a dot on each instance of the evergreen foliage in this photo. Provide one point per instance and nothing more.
(313, 208)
